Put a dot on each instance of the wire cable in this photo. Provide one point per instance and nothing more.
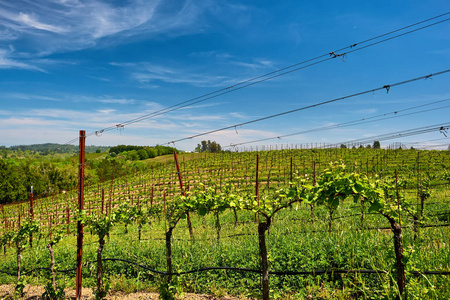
(393, 135)
(273, 74)
(350, 123)
(387, 87)
(259, 79)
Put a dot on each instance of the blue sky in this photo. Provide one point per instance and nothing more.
(70, 65)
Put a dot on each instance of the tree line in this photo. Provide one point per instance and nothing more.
(55, 174)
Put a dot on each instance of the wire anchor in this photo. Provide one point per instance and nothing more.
(387, 87)
(334, 55)
(443, 130)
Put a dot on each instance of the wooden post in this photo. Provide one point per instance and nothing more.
(257, 182)
(68, 219)
(180, 179)
(291, 174)
(398, 198)
(50, 223)
(31, 215)
(4, 217)
(151, 198)
(103, 200)
(80, 207)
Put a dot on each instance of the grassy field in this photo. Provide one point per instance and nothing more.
(298, 239)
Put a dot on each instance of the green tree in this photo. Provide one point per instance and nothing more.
(11, 186)
(208, 146)
(376, 145)
(152, 152)
(143, 154)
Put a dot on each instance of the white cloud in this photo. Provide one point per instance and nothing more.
(7, 62)
(106, 111)
(22, 96)
(255, 64)
(31, 21)
(152, 74)
(237, 115)
(7, 35)
(118, 101)
(54, 26)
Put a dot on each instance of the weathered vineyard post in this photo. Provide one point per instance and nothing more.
(103, 200)
(257, 182)
(80, 208)
(313, 183)
(262, 228)
(31, 215)
(398, 244)
(290, 178)
(68, 219)
(184, 194)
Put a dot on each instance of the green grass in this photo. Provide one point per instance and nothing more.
(296, 242)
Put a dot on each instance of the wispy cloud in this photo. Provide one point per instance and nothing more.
(22, 96)
(31, 21)
(58, 25)
(150, 73)
(255, 64)
(8, 62)
(118, 101)
(365, 112)
(154, 74)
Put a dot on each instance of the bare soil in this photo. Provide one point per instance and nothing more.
(34, 292)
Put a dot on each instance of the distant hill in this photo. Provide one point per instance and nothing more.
(50, 148)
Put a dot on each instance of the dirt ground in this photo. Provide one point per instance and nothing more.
(34, 292)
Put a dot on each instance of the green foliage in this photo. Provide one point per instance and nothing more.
(56, 236)
(141, 152)
(52, 294)
(22, 235)
(446, 176)
(20, 286)
(208, 146)
(423, 191)
(11, 188)
(296, 240)
(335, 185)
(99, 224)
(103, 292)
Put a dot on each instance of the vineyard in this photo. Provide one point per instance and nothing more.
(284, 224)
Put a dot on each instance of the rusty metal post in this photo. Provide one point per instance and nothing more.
(398, 198)
(4, 217)
(80, 207)
(68, 219)
(31, 215)
(180, 179)
(151, 198)
(31, 204)
(291, 174)
(103, 200)
(257, 182)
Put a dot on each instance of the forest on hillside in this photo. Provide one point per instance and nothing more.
(22, 167)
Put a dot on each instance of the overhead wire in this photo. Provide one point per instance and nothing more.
(271, 75)
(393, 135)
(386, 87)
(351, 123)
